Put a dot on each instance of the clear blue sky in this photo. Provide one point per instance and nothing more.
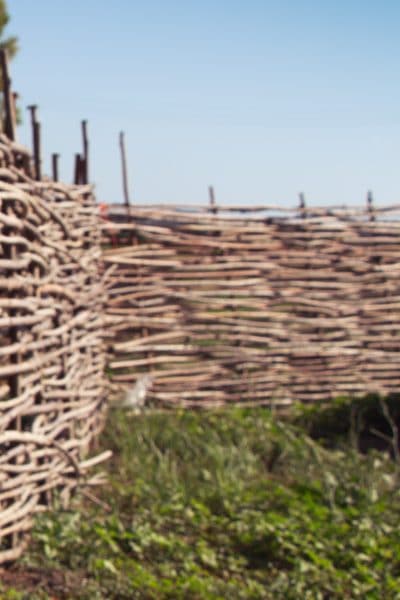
(261, 99)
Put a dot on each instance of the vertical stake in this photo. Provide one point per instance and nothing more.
(124, 171)
(370, 205)
(9, 116)
(302, 205)
(37, 152)
(36, 141)
(14, 109)
(85, 140)
(78, 172)
(54, 165)
(213, 204)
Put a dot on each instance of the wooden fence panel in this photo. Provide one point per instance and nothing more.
(52, 389)
(268, 306)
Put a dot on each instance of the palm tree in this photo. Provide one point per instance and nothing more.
(9, 43)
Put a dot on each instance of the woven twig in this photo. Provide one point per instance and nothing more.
(268, 308)
(52, 355)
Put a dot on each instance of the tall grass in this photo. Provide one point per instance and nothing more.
(228, 504)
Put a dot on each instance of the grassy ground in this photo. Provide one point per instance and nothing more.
(230, 504)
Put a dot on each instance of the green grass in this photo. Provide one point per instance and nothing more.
(230, 504)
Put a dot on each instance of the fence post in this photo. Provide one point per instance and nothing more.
(302, 205)
(9, 116)
(124, 171)
(36, 141)
(78, 169)
(85, 156)
(38, 160)
(213, 204)
(54, 165)
(370, 206)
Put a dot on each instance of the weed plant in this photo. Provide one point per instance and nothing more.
(227, 504)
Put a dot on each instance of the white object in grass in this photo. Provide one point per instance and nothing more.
(135, 397)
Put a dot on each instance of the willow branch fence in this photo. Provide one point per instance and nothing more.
(261, 305)
(52, 387)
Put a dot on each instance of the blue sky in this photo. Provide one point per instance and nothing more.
(261, 99)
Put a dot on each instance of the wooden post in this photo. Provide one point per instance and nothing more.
(33, 112)
(78, 169)
(36, 141)
(9, 117)
(14, 109)
(370, 205)
(213, 204)
(302, 205)
(54, 164)
(37, 150)
(10, 252)
(124, 171)
(85, 155)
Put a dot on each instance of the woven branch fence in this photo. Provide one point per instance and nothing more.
(261, 306)
(51, 350)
